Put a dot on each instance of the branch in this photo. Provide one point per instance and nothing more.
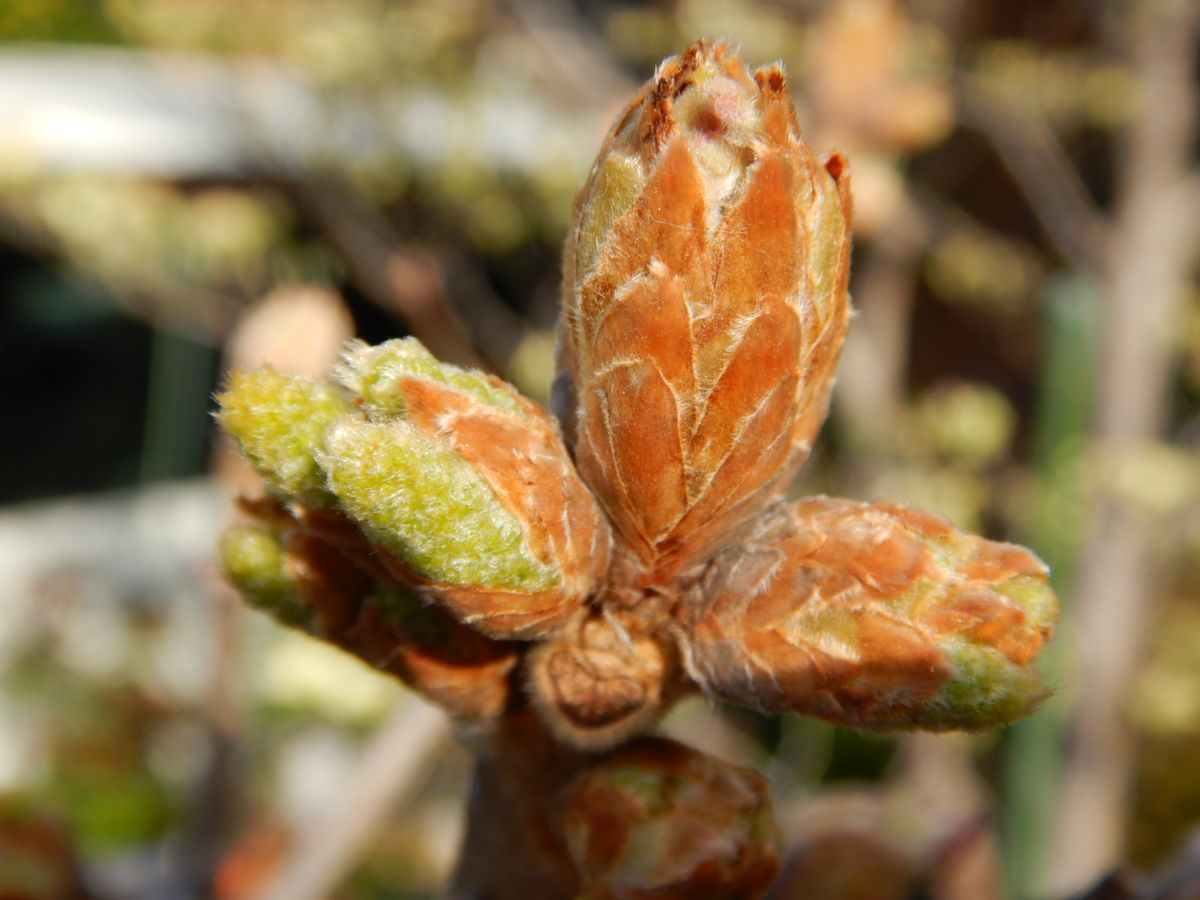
(405, 281)
(1044, 174)
(1149, 260)
(392, 764)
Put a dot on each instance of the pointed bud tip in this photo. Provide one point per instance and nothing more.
(279, 421)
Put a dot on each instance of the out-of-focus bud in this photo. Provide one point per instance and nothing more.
(872, 616)
(845, 865)
(704, 306)
(279, 421)
(467, 489)
(254, 559)
(311, 584)
(660, 821)
(601, 680)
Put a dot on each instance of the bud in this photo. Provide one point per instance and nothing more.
(310, 584)
(600, 680)
(872, 616)
(279, 422)
(256, 563)
(660, 821)
(467, 489)
(704, 306)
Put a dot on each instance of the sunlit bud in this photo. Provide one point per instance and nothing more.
(279, 422)
(872, 616)
(704, 306)
(467, 487)
(660, 821)
(599, 681)
(379, 374)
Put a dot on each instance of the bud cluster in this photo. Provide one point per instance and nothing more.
(592, 567)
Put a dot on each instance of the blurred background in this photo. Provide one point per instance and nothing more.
(187, 185)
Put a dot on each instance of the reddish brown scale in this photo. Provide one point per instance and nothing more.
(849, 611)
(697, 348)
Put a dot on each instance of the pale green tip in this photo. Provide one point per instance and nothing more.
(986, 690)
(376, 374)
(429, 507)
(1035, 596)
(254, 560)
(279, 421)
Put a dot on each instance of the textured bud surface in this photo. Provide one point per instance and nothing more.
(658, 821)
(468, 488)
(873, 616)
(377, 374)
(279, 422)
(429, 507)
(704, 306)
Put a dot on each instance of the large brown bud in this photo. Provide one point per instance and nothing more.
(704, 306)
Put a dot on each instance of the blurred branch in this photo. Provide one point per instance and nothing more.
(199, 313)
(1043, 172)
(404, 281)
(392, 765)
(568, 51)
(871, 383)
(1147, 264)
(188, 116)
(495, 328)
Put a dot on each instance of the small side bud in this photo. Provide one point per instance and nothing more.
(872, 616)
(598, 682)
(279, 421)
(305, 582)
(660, 821)
(256, 563)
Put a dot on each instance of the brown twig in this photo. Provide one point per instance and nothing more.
(513, 849)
